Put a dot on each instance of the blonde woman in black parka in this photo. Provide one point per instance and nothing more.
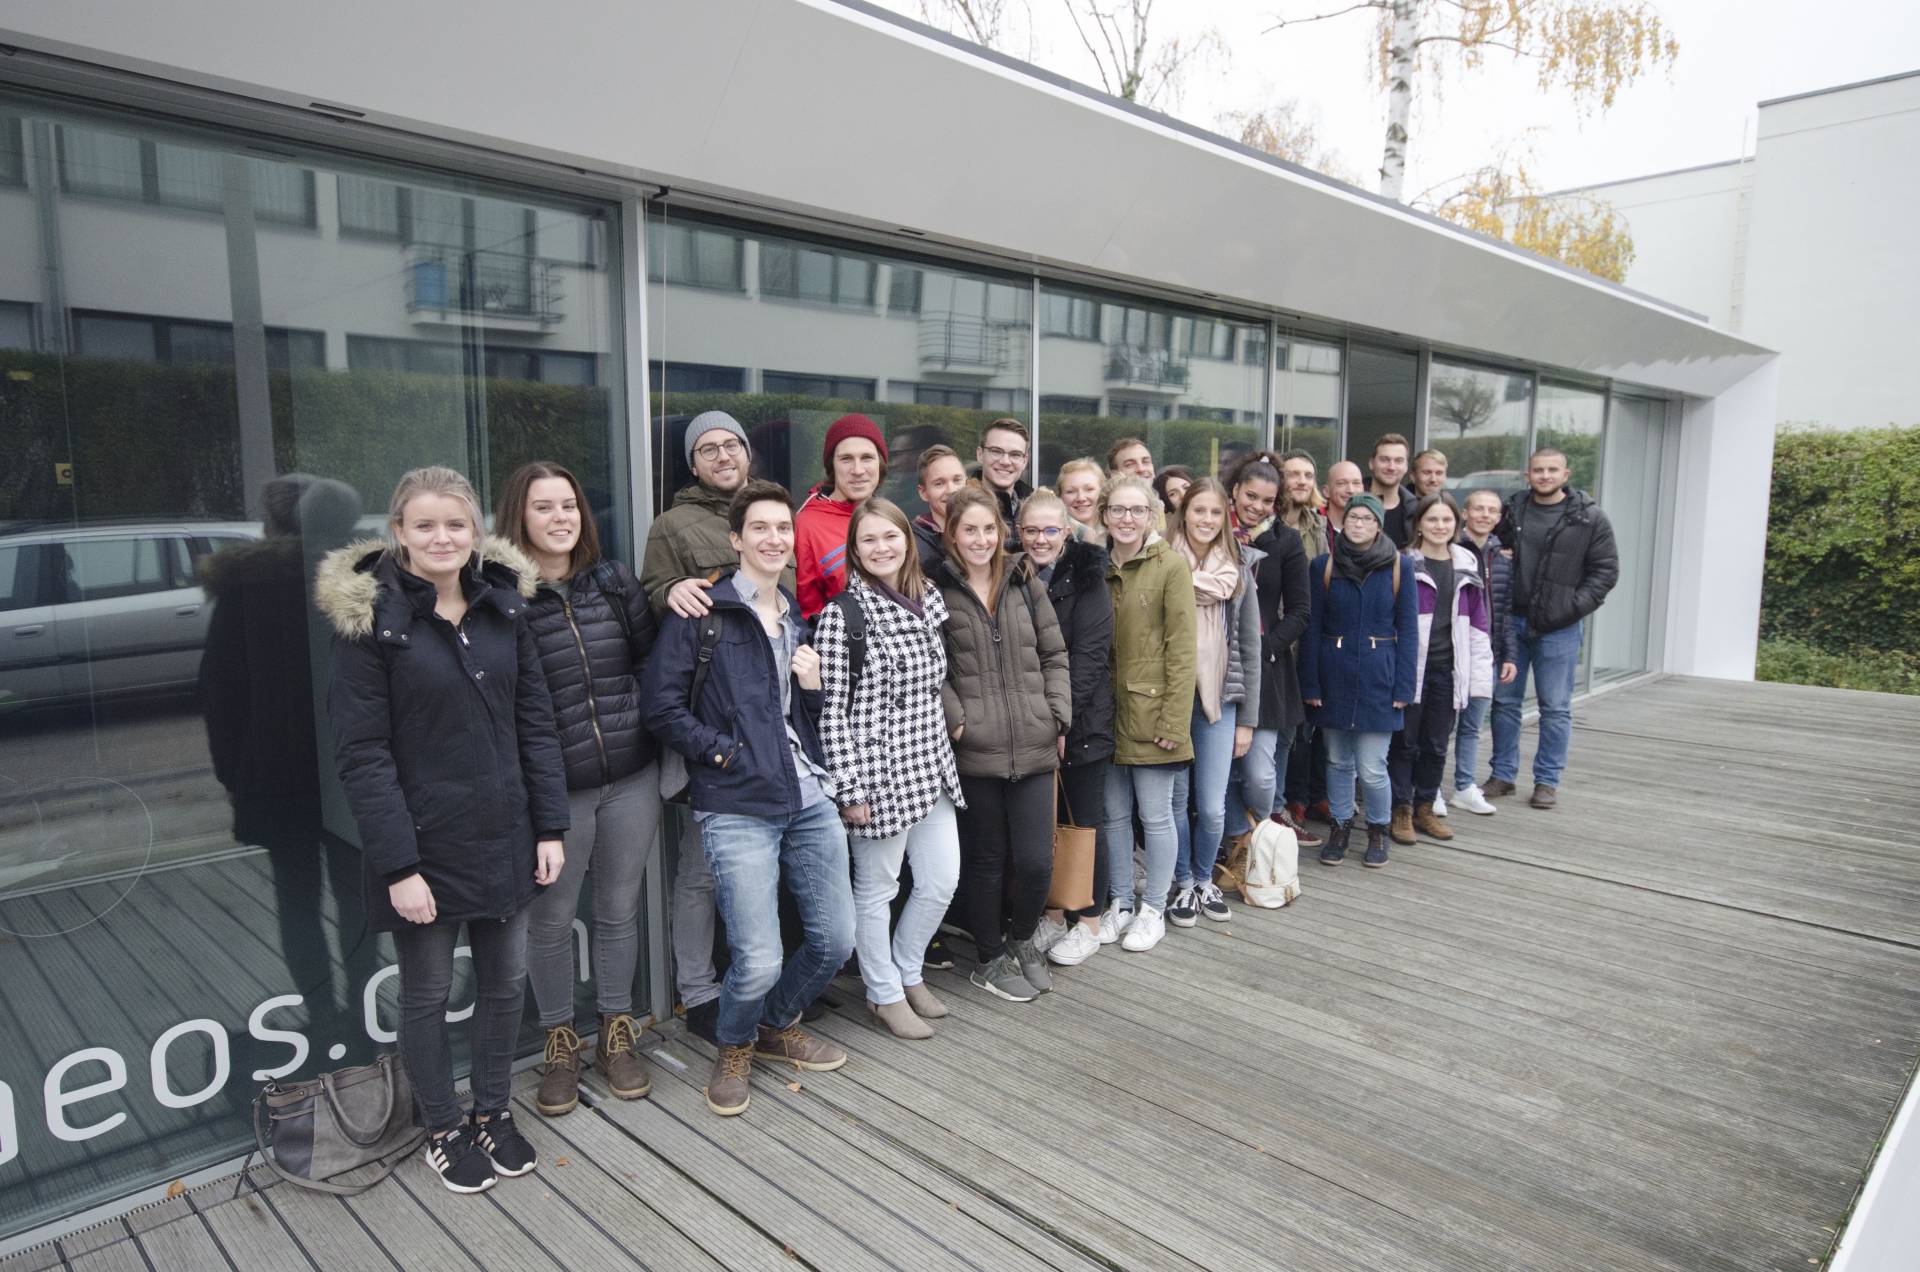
(1009, 704)
(444, 741)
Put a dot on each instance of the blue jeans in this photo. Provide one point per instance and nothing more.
(1351, 756)
(1152, 786)
(1466, 742)
(1197, 844)
(932, 844)
(749, 855)
(1255, 784)
(1555, 660)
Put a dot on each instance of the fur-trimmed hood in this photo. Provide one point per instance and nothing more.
(355, 581)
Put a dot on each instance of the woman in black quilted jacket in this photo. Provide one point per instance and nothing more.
(593, 628)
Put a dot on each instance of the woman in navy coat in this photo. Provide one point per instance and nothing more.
(1357, 667)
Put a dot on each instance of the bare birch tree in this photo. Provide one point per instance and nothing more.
(1132, 63)
(1590, 49)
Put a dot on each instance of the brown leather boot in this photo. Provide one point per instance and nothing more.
(1402, 829)
(729, 1086)
(798, 1048)
(560, 1082)
(618, 1058)
(1495, 787)
(1427, 824)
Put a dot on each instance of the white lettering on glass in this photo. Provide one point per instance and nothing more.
(257, 1026)
(58, 1100)
(157, 1063)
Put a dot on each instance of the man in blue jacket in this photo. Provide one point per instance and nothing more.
(746, 723)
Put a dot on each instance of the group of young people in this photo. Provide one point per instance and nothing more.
(876, 724)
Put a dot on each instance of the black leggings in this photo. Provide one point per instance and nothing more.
(1084, 786)
(499, 954)
(1417, 757)
(1006, 838)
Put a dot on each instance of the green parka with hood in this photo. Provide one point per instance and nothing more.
(1153, 655)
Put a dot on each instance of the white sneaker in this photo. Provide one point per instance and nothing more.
(1145, 932)
(1075, 948)
(1049, 933)
(1474, 800)
(1114, 923)
(1439, 805)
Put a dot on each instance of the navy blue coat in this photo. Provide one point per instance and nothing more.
(444, 739)
(734, 739)
(1361, 653)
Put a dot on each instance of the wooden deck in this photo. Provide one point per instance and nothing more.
(1659, 1028)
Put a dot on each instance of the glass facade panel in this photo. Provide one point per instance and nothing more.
(932, 354)
(1306, 406)
(1572, 419)
(1382, 395)
(1177, 380)
(1478, 417)
(180, 894)
(1623, 634)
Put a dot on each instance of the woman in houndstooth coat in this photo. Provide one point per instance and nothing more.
(885, 738)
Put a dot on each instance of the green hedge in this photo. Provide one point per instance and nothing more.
(1843, 542)
(147, 440)
(1880, 671)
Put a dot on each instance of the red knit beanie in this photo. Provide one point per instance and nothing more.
(851, 426)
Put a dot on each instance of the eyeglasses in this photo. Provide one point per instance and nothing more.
(1000, 456)
(714, 450)
(1045, 532)
(1127, 512)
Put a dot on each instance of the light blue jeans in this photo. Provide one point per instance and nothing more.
(1555, 662)
(1351, 756)
(1197, 844)
(1466, 742)
(932, 844)
(1255, 783)
(1151, 785)
(749, 855)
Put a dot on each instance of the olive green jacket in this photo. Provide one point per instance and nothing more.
(1153, 655)
(689, 541)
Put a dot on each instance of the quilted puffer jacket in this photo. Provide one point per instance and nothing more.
(593, 664)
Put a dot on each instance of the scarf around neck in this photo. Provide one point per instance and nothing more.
(1354, 563)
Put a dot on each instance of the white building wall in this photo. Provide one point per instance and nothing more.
(1685, 229)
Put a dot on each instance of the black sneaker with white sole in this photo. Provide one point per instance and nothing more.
(504, 1145)
(461, 1164)
(939, 958)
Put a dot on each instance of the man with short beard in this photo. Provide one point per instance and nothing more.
(1388, 466)
(855, 457)
(1429, 473)
(1000, 462)
(1300, 502)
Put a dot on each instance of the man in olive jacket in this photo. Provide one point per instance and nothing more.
(1564, 564)
(688, 551)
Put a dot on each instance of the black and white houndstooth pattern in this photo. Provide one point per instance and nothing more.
(888, 749)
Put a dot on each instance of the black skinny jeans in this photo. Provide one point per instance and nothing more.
(1417, 757)
(1006, 837)
(499, 951)
(1084, 786)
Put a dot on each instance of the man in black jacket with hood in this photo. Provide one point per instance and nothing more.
(1564, 564)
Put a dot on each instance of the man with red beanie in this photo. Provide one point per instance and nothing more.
(855, 457)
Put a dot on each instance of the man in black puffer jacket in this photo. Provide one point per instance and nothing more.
(1564, 564)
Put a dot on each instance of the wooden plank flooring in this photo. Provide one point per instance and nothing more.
(1659, 1028)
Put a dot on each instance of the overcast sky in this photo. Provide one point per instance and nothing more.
(1733, 55)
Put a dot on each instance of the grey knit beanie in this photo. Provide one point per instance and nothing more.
(706, 422)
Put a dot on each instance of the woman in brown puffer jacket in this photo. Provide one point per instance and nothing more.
(1009, 703)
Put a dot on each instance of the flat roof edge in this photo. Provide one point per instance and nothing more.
(1839, 88)
(1195, 132)
(1647, 176)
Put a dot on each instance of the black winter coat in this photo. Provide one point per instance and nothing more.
(1496, 567)
(1280, 585)
(593, 664)
(1084, 606)
(1581, 565)
(443, 739)
(734, 739)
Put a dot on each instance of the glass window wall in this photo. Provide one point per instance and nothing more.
(1623, 636)
(1572, 419)
(180, 897)
(1478, 418)
(932, 354)
(1306, 398)
(1382, 398)
(1178, 380)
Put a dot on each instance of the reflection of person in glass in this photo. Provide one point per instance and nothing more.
(445, 743)
(593, 627)
(256, 690)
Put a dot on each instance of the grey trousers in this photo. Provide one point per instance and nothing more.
(694, 917)
(615, 829)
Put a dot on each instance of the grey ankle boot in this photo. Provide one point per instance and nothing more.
(900, 1020)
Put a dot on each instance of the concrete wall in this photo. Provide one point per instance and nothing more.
(1685, 235)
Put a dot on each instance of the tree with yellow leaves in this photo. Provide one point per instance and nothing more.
(1500, 199)
(1588, 49)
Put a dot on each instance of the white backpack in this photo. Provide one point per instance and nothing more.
(1271, 877)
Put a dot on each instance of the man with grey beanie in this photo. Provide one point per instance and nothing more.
(688, 551)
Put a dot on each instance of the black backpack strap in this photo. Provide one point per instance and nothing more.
(608, 579)
(855, 616)
(709, 639)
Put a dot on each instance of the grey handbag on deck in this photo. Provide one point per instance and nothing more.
(336, 1122)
